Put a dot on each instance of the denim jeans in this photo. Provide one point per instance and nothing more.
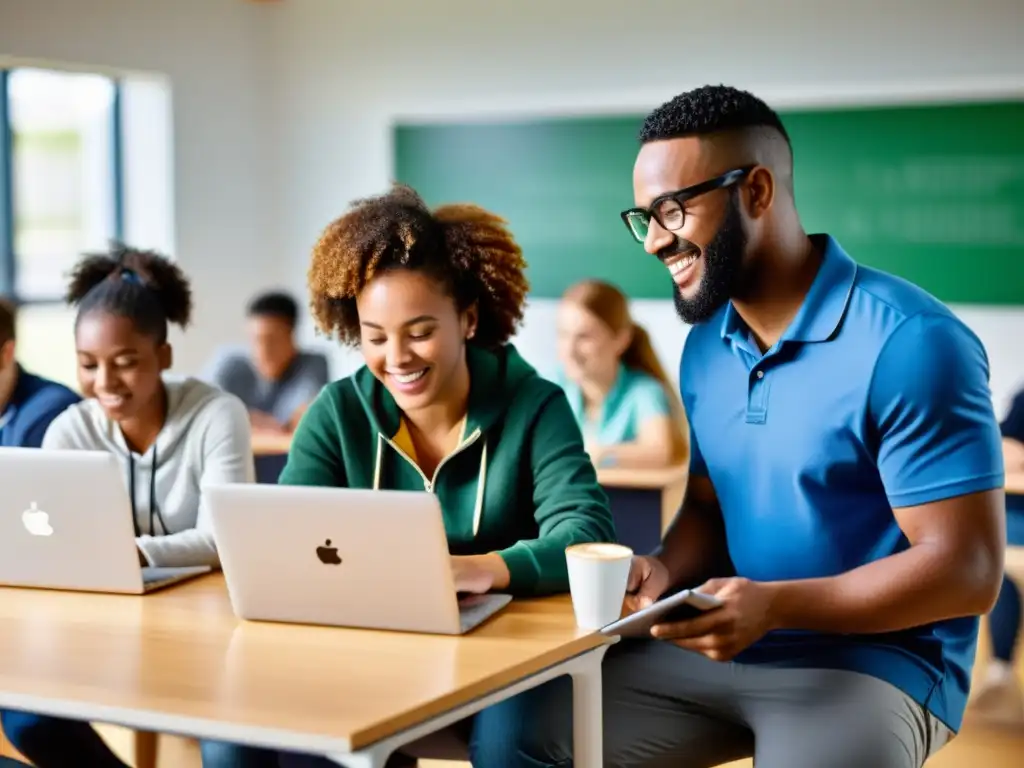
(53, 742)
(531, 730)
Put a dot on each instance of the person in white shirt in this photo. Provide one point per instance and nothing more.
(172, 434)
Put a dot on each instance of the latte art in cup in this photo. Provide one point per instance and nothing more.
(598, 572)
(600, 551)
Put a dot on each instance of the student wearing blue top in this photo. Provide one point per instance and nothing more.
(999, 698)
(626, 408)
(845, 498)
(28, 403)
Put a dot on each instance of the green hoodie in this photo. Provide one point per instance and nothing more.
(519, 484)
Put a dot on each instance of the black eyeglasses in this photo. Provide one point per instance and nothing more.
(669, 209)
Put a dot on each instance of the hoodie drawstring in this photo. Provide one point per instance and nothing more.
(378, 460)
(478, 507)
(153, 508)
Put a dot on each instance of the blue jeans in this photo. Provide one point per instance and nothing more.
(1004, 620)
(531, 730)
(52, 742)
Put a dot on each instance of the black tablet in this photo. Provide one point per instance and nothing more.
(682, 605)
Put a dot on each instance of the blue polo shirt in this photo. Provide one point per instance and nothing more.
(33, 405)
(875, 397)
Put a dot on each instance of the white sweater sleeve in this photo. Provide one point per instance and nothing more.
(64, 432)
(225, 444)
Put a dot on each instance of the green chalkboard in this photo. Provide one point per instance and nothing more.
(932, 193)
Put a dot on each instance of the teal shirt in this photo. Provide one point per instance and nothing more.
(634, 398)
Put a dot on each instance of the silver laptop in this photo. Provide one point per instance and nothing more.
(66, 523)
(340, 557)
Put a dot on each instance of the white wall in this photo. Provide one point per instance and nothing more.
(282, 111)
(215, 55)
(348, 69)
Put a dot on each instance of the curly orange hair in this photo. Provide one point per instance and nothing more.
(466, 248)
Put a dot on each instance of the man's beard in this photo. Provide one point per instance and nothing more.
(723, 265)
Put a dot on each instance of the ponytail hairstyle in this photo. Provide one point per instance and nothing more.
(143, 286)
(609, 305)
(467, 249)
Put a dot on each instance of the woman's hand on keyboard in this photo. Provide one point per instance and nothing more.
(470, 576)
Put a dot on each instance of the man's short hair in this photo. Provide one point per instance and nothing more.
(708, 110)
(8, 318)
(275, 304)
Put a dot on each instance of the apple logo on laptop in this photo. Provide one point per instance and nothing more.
(328, 555)
(36, 521)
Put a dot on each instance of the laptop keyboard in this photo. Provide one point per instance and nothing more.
(476, 609)
(154, 575)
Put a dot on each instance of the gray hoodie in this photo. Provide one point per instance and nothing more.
(206, 438)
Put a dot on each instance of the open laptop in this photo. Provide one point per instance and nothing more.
(340, 557)
(66, 523)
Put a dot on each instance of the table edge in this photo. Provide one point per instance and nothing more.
(199, 727)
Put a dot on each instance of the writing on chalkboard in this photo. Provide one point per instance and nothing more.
(955, 176)
(903, 189)
(995, 224)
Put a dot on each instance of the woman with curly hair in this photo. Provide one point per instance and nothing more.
(445, 404)
(172, 435)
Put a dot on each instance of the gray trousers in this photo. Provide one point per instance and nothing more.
(664, 706)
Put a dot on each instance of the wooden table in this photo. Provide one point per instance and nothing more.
(270, 453)
(178, 661)
(643, 502)
(270, 443)
(1014, 563)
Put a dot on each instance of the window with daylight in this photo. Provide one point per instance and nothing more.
(60, 159)
(84, 158)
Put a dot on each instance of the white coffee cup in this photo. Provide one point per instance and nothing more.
(598, 573)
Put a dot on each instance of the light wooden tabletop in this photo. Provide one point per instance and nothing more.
(621, 477)
(270, 443)
(178, 661)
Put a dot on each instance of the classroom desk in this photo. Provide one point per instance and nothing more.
(270, 452)
(269, 443)
(643, 502)
(178, 661)
(1014, 562)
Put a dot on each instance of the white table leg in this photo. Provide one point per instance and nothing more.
(588, 739)
(587, 723)
(373, 757)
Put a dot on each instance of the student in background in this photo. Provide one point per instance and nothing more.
(445, 403)
(28, 403)
(999, 698)
(623, 401)
(275, 381)
(173, 435)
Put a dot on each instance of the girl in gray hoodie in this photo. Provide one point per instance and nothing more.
(172, 435)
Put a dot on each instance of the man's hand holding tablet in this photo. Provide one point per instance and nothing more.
(719, 619)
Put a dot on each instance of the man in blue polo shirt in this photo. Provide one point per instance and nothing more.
(845, 499)
(27, 403)
(845, 496)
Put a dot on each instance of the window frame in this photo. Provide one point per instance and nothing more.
(8, 256)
